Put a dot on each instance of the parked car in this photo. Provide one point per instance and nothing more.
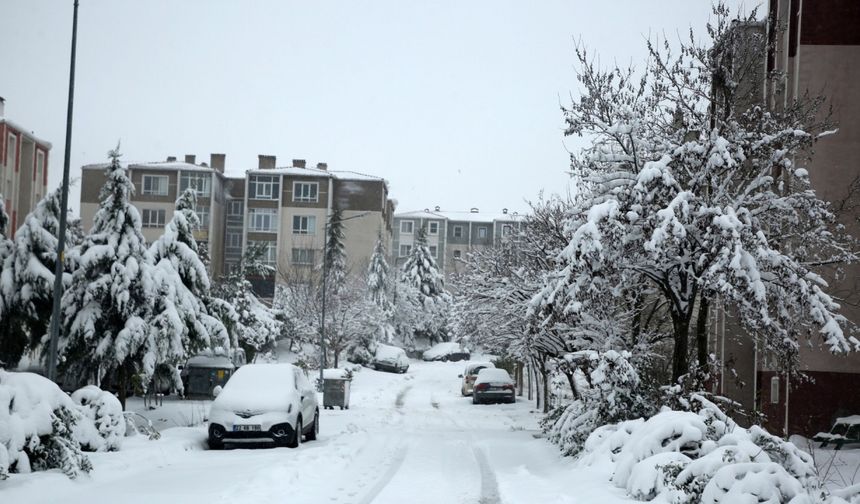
(494, 385)
(471, 374)
(271, 403)
(448, 351)
(845, 431)
(390, 358)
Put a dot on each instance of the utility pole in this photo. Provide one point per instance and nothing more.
(64, 205)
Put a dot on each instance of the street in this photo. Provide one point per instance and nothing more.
(405, 438)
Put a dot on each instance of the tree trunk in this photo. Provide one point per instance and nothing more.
(702, 342)
(336, 357)
(123, 385)
(680, 364)
(519, 379)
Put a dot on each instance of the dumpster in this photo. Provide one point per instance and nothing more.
(336, 383)
(204, 372)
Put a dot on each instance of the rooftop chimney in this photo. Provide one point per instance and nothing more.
(190, 158)
(474, 210)
(299, 163)
(322, 166)
(216, 161)
(505, 211)
(266, 162)
(438, 208)
(2, 106)
(171, 159)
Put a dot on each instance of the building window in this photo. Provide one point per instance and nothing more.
(433, 250)
(406, 226)
(200, 182)
(507, 230)
(304, 224)
(263, 187)
(307, 192)
(270, 251)
(153, 218)
(262, 219)
(235, 207)
(303, 256)
(458, 231)
(155, 185)
(11, 150)
(405, 250)
(234, 240)
(40, 174)
(457, 254)
(202, 212)
(482, 232)
(433, 228)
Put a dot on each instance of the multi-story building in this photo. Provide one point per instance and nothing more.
(814, 48)
(157, 186)
(452, 234)
(23, 169)
(282, 210)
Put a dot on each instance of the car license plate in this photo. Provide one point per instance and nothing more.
(246, 428)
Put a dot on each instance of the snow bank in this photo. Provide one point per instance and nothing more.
(104, 410)
(40, 427)
(703, 456)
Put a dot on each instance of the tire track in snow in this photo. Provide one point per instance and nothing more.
(401, 398)
(489, 485)
(396, 463)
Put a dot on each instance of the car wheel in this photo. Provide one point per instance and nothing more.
(215, 445)
(474, 398)
(463, 392)
(296, 440)
(312, 434)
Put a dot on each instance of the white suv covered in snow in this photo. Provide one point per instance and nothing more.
(264, 403)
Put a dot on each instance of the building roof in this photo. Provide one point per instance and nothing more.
(460, 216)
(317, 172)
(26, 132)
(157, 165)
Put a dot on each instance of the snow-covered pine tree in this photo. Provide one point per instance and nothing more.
(421, 272)
(335, 253)
(109, 300)
(13, 340)
(181, 323)
(377, 276)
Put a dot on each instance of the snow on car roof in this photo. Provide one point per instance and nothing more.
(440, 349)
(849, 420)
(258, 387)
(487, 375)
(389, 352)
(471, 366)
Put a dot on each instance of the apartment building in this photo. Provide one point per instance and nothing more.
(815, 49)
(23, 169)
(157, 187)
(287, 209)
(282, 210)
(452, 234)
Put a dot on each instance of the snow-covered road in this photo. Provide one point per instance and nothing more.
(406, 438)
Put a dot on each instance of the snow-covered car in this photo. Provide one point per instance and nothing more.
(264, 403)
(494, 385)
(448, 351)
(390, 358)
(471, 374)
(845, 431)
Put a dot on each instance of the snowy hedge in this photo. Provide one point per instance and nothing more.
(40, 427)
(105, 412)
(703, 456)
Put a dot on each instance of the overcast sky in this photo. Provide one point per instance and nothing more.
(456, 103)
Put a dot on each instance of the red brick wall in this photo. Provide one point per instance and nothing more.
(813, 404)
(834, 22)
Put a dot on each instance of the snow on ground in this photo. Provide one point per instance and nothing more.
(837, 469)
(405, 438)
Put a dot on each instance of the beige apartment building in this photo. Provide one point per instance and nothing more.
(452, 234)
(23, 169)
(816, 48)
(281, 209)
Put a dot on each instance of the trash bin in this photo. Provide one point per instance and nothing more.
(336, 393)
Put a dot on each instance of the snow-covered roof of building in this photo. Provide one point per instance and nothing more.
(156, 165)
(26, 132)
(462, 216)
(317, 172)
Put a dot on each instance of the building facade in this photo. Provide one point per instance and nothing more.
(814, 48)
(452, 234)
(281, 210)
(23, 169)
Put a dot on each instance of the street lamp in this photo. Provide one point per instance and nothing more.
(324, 289)
(64, 204)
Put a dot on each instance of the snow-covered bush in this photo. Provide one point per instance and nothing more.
(40, 427)
(612, 395)
(105, 412)
(702, 456)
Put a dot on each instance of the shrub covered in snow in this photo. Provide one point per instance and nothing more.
(105, 412)
(703, 456)
(612, 395)
(40, 427)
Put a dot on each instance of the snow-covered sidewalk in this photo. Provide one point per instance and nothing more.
(406, 438)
